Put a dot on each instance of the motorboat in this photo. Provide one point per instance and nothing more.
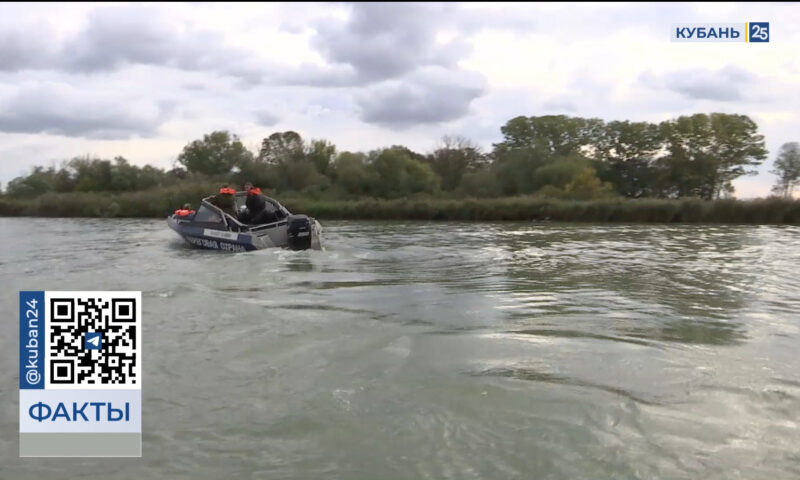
(211, 228)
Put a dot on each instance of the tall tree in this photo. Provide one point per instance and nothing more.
(586, 186)
(625, 154)
(352, 173)
(286, 161)
(553, 134)
(217, 153)
(530, 143)
(91, 174)
(707, 152)
(560, 172)
(282, 148)
(124, 176)
(320, 153)
(455, 157)
(736, 146)
(398, 173)
(39, 181)
(787, 168)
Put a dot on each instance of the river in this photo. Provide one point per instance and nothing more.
(415, 350)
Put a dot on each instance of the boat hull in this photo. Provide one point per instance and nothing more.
(259, 238)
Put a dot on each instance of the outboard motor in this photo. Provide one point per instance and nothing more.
(299, 232)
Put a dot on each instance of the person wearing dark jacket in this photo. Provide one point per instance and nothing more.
(255, 202)
(259, 211)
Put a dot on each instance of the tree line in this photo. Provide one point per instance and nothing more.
(551, 156)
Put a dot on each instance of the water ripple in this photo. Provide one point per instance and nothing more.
(441, 350)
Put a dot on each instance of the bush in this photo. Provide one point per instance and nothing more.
(158, 203)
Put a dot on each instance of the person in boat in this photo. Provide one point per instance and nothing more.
(254, 203)
(225, 200)
(185, 212)
(259, 210)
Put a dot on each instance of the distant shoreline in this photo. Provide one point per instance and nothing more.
(160, 203)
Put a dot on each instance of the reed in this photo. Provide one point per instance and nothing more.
(161, 202)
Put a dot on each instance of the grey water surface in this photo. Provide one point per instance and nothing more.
(415, 350)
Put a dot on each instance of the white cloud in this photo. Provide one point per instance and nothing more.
(157, 76)
(61, 109)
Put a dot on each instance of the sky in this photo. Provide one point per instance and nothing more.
(142, 80)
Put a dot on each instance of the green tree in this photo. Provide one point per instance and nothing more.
(586, 186)
(626, 154)
(514, 169)
(255, 170)
(216, 154)
(559, 172)
(124, 176)
(287, 162)
(320, 153)
(707, 152)
(36, 183)
(553, 134)
(736, 146)
(481, 183)
(455, 157)
(787, 168)
(399, 174)
(150, 177)
(351, 172)
(530, 143)
(64, 181)
(91, 174)
(302, 175)
(178, 173)
(281, 148)
(408, 152)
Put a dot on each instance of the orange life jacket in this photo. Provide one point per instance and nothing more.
(254, 191)
(227, 191)
(182, 212)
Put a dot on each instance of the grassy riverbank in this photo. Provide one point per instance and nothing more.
(159, 203)
(529, 208)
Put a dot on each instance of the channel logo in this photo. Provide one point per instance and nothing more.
(758, 32)
(748, 32)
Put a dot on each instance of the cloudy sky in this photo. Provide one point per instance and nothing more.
(142, 80)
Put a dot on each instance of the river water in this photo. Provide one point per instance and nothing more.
(413, 350)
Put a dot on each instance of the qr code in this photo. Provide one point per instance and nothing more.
(93, 340)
